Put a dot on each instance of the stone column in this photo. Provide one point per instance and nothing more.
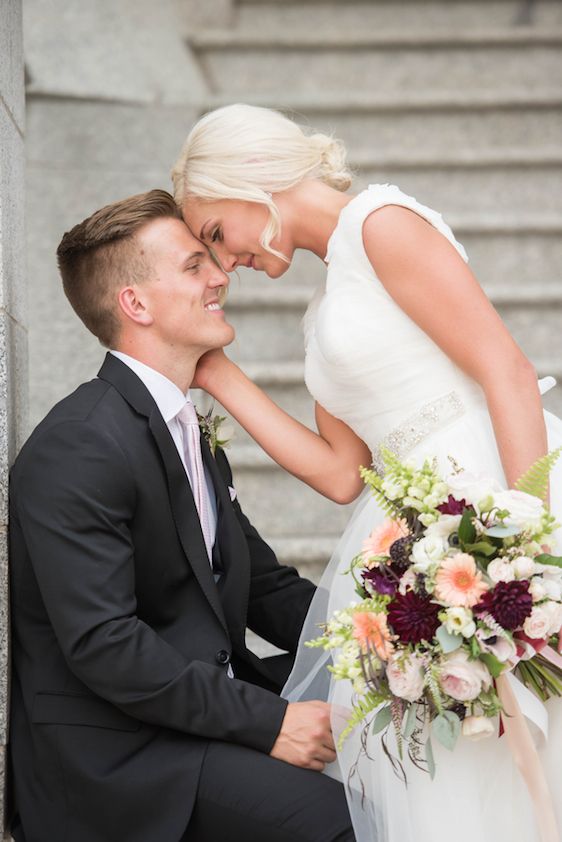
(13, 334)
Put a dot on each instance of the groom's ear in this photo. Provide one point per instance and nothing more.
(133, 306)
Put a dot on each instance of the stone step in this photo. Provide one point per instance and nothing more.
(308, 553)
(376, 39)
(475, 189)
(268, 321)
(428, 15)
(444, 62)
(450, 131)
(503, 249)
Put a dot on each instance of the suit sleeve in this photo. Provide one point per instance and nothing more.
(279, 597)
(73, 501)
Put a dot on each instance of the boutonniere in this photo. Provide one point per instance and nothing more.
(216, 432)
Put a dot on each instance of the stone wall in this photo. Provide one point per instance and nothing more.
(13, 334)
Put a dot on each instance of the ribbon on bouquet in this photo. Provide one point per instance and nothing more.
(519, 704)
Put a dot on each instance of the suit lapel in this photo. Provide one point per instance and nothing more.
(234, 589)
(182, 503)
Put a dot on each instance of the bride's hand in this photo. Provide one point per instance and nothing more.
(208, 370)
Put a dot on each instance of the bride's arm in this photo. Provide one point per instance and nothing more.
(328, 461)
(429, 280)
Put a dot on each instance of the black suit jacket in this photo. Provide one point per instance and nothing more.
(121, 638)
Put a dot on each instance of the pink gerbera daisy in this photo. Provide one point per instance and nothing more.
(372, 632)
(458, 581)
(382, 538)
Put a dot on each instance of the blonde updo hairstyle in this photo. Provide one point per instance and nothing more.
(247, 153)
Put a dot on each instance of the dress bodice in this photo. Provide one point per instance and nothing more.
(367, 362)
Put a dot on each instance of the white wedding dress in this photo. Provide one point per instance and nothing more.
(370, 365)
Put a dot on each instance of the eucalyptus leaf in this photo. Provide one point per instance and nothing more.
(447, 727)
(429, 759)
(546, 558)
(500, 531)
(448, 642)
(382, 719)
(495, 666)
(411, 718)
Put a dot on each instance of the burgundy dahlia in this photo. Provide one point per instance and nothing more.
(454, 507)
(413, 617)
(509, 603)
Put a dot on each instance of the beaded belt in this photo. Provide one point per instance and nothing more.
(418, 426)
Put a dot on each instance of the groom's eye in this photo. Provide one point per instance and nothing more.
(194, 267)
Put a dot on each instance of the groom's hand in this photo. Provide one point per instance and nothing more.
(305, 738)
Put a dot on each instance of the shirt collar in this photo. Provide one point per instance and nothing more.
(167, 396)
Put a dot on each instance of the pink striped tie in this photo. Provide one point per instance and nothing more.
(194, 462)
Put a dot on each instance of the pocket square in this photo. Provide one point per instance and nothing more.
(232, 492)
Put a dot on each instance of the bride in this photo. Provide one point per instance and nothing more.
(403, 349)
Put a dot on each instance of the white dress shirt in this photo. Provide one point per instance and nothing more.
(170, 400)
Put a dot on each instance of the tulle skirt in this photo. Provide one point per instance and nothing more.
(478, 794)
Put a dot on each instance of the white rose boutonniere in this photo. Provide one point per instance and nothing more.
(216, 432)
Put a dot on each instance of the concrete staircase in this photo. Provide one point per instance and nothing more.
(458, 102)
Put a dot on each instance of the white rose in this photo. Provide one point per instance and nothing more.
(429, 550)
(540, 621)
(537, 588)
(500, 570)
(523, 567)
(445, 526)
(477, 727)
(524, 509)
(460, 621)
(405, 677)
(471, 487)
(461, 678)
(553, 588)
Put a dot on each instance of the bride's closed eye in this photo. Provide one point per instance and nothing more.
(216, 235)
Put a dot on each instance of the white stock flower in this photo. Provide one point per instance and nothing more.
(477, 727)
(524, 509)
(500, 570)
(405, 677)
(460, 621)
(428, 550)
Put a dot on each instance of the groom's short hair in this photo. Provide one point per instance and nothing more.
(100, 255)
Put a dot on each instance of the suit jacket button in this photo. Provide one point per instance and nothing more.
(222, 656)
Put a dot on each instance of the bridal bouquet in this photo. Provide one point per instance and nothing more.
(457, 586)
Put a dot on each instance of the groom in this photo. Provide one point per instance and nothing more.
(138, 714)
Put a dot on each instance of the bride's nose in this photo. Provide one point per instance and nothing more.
(228, 261)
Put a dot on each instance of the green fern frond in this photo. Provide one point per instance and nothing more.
(361, 711)
(372, 479)
(390, 459)
(535, 480)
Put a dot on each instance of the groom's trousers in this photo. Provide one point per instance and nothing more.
(247, 796)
